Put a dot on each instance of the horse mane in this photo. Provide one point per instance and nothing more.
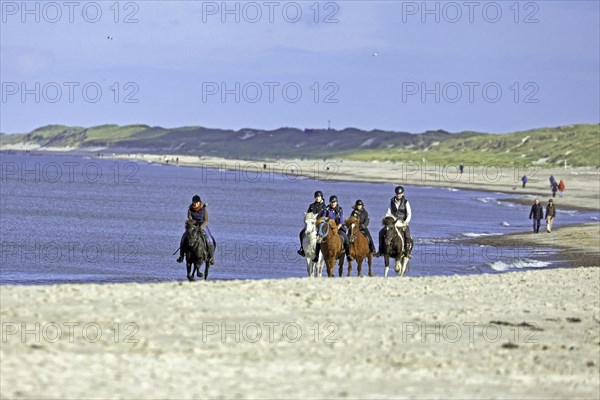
(388, 221)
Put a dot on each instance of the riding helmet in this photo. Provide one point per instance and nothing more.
(318, 193)
(399, 189)
(332, 199)
(359, 203)
(196, 199)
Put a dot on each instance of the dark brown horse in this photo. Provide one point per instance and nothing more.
(359, 246)
(196, 251)
(394, 246)
(331, 244)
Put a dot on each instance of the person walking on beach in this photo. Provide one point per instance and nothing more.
(536, 213)
(550, 214)
(317, 208)
(561, 187)
(361, 213)
(335, 212)
(400, 209)
(524, 180)
(554, 187)
(198, 214)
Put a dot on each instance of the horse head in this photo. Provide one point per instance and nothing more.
(352, 224)
(194, 239)
(325, 227)
(392, 235)
(310, 220)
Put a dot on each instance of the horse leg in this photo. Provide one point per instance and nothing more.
(404, 262)
(359, 266)
(341, 265)
(190, 274)
(349, 268)
(309, 269)
(319, 266)
(370, 261)
(206, 267)
(386, 260)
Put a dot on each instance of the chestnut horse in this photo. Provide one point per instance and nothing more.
(331, 244)
(309, 244)
(394, 246)
(359, 246)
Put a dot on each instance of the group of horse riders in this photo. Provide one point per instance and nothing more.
(399, 209)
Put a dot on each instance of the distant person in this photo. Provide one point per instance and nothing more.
(550, 214)
(552, 180)
(317, 208)
(554, 188)
(361, 213)
(536, 213)
(461, 168)
(561, 187)
(524, 180)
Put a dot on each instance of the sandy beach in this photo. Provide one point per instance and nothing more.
(532, 334)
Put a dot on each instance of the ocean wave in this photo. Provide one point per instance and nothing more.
(501, 266)
(473, 234)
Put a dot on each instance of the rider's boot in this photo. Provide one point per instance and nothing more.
(347, 250)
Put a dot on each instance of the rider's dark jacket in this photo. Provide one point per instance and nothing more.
(317, 208)
(199, 217)
(337, 214)
(399, 212)
(363, 217)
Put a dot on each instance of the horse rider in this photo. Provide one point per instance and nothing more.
(359, 211)
(400, 209)
(334, 211)
(198, 214)
(317, 208)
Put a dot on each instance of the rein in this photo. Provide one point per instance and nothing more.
(320, 232)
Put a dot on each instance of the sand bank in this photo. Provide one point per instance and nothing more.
(532, 334)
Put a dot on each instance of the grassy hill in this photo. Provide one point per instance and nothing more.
(578, 144)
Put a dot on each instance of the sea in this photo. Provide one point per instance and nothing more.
(68, 218)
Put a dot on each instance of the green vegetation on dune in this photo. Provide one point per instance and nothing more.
(579, 145)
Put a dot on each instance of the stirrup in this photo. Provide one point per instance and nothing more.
(301, 253)
(179, 259)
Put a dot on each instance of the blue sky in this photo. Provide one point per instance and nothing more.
(396, 65)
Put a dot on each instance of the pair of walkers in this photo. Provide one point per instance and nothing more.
(537, 213)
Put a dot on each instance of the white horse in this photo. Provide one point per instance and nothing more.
(309, 244)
